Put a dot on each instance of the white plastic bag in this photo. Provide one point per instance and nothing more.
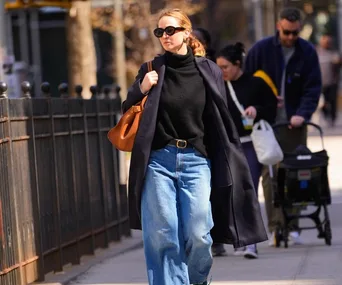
(265, 144)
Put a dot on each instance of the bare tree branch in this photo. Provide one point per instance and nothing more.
(139, 24)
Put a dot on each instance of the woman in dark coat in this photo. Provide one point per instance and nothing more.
(250, 99)
(187, 152)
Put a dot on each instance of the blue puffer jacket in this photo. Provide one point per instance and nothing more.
(303, 76)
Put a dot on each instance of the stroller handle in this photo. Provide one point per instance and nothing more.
(287, 123)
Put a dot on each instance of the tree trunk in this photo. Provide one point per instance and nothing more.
(120, 56)
(81, 48)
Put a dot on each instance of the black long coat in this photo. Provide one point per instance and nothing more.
(236, 211)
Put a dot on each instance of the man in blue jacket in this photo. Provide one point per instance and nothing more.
(292, 63)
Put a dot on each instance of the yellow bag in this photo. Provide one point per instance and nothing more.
(262, 74)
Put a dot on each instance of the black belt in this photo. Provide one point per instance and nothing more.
(180, 143)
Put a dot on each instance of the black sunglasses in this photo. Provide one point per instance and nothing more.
(295, 33)
(159, 32)
(289, 32)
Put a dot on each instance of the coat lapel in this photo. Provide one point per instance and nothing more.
(159, 67)
(151, 107)
(204, 69)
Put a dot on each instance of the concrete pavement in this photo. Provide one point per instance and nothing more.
(313, 263)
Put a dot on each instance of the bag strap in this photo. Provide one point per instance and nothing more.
(236, 101)
(149, 66)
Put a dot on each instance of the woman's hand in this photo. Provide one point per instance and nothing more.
(150, 79)
(251, 112)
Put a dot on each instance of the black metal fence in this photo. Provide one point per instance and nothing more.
(60, 195)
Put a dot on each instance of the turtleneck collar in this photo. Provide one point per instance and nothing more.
(179, 60)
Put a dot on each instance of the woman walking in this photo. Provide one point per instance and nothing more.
(249, 100)
(186, 151)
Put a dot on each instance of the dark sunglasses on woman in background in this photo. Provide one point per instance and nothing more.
(159, 32)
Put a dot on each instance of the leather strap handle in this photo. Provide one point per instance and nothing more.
(149, 66)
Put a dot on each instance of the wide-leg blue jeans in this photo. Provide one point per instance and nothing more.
(176, 217)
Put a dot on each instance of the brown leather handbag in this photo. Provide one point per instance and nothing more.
(122, 136)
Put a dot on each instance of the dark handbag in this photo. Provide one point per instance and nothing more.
(122, 136)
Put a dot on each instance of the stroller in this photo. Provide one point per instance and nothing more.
(302, 180)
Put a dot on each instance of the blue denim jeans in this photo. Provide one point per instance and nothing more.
(176, 217)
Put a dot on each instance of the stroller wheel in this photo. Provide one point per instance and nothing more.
(327, 233)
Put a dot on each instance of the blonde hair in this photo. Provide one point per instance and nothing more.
(184, 21)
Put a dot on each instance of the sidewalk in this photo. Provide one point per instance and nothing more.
(313, 263)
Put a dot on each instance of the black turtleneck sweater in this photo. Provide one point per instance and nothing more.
(182, 103)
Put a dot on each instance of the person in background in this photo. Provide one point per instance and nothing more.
(292, 64)
(204, 37)
(184, 171)
(257, 102)
(330, 62)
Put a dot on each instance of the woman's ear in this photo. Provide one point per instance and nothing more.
(238, 63)
(187, 34)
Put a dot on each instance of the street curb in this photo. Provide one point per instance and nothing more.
(71, 273)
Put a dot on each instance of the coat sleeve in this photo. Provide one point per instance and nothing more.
(312, 87)
(267, 104)
(134, 94)
(229, 123)
(221, 86)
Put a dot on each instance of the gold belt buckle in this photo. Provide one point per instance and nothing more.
(181, 143)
